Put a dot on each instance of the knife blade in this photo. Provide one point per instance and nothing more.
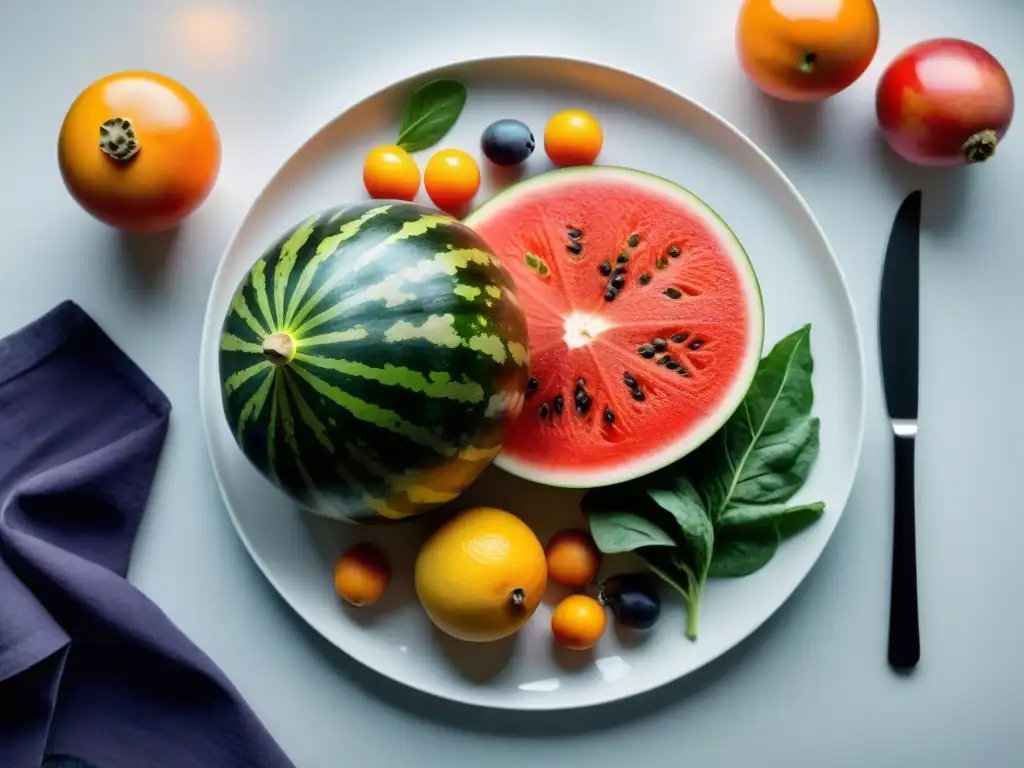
(898, 343)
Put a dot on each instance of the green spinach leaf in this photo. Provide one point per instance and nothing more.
(741, 519)
(764, 452)
(678, 497)
(737, 556)
(617, 523)
(430, 113)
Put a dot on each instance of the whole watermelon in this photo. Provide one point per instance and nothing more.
(373, 360)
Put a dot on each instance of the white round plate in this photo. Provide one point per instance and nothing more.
(646, 126)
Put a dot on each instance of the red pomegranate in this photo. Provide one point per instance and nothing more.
(944, 102)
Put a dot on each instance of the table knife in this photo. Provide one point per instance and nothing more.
(898, 324)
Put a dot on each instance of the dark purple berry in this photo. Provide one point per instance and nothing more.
(633, 598)
(507, 142)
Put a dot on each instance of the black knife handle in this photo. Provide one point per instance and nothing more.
(904, 634)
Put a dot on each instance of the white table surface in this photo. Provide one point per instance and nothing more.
(812, 688)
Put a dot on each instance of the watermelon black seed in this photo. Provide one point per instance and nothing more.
(673, 251)
(608, 415)
(621, 269)
(663, 360)
(581, 383)
(633, 241)
(610, 294)
(574, 233)
(531, 386)
(629, 380)
(574, 248)
(558, 404)
(646, 351)
(661, 263)
(582, 402)
(673, 293)
(618, 281)
(659, 344)
(679, 338)
(671, 365)
(645, 278)
(695, 344)
(638, 394)
(544, 410)
(605, 268)
(622, 258)
(683, 372)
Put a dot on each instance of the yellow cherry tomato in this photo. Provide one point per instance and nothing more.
(390, 173)
(361, 574)
(578, 622)
(573, 137)
(573, 558)
(452, 178)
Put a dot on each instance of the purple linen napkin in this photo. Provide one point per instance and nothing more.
(92, 673)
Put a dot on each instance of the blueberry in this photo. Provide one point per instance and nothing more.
(507, 142)
(633, 598)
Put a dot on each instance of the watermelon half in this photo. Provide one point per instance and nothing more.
(644, 318)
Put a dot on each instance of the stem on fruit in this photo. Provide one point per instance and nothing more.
(279, 348)
(118, 139)
(808, 62)
(980, 147)
(518, 597)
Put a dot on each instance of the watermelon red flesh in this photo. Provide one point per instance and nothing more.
(574, 332)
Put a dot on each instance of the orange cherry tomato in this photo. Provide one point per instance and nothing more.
(809, 50)
(138, 151)
(573, 558)
(578, 622)
(362, 574)
(389, 172)
(573, 137)
(452, 178)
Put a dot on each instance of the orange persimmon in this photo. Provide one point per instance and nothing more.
(807, 50)
(138, 151)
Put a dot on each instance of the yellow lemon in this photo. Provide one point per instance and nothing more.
(481, 575)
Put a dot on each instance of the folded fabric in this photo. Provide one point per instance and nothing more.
(92, 673)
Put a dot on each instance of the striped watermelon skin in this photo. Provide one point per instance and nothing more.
(410, 361)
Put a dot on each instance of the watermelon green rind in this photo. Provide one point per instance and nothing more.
(628, 470)
(411, 360)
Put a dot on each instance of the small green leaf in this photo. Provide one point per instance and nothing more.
(615, 522)
(788, 521)
(430, 113)
(741, 556)
(676, 495)
(616, 532)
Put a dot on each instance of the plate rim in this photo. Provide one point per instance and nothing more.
(539, 704)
